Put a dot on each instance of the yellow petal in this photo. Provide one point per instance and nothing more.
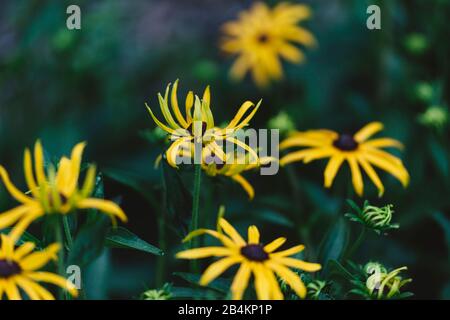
(163, 103)
(159, 123)
(12, 292)
(105, 206)
(275, 292)
(39, 164)
(245, 185)
(10, 217)
(296, 156)
(231, 232)
(43, 293)
(372, 174)
(29, 176)
(39, 259)
(274, 245)
(299, 264)
(75, 159)
(16, 193)
(253, 235)
(397, 170)
(224, 239)
(356, 175)
(291, 53)
(367, 131)
(217, 268)
(199, 253)
(33, 214)
(175, 106)
(56, 280)
(23, 250)
(240, 281)
(262, 285)
(189, 103)
(289, 252)
(332, 168)
(291, 278)
(28, 288)
(384, 143)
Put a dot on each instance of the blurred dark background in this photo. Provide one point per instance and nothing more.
(66, 86)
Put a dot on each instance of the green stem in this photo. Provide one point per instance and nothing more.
(196, 209)
(61, 258)
(356, 244)
(67, 232)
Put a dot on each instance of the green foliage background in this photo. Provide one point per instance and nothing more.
(66, 86)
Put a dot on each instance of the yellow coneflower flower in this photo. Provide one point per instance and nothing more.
(253, 257)
(356, 149)
(261, 35)
(198, 126)
(233, 167)
(56, 192)
(19, 269)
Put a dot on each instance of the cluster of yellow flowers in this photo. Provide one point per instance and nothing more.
(259, 37)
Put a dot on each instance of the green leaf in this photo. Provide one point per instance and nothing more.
(440, 157)
(122, 238)
(221, 285)
(340, 269)
(193, 293)
(334, 243)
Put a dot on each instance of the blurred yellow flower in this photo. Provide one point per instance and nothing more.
(198, 127)
(56, 192)
(253, 257)
(356, 149)
(19, 269)
(233, 167)
(261, 35)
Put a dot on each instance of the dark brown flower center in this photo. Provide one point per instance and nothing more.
(191, 128)
(254, 252)
(213, 159)
(345, 142)
(263, 38)
(51, 202)
(9, 268)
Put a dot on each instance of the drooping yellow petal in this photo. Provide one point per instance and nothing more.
(241, 280)
(231, 232)
(289, 252)
(199, 253)
(357, 180)
(275, 292)
(292, 279)
(398, 171)
(43, 293)
(217, 268)
(332, 168)
(16, 193)
(367, 131)
(39, 259)
(33, 213)
(299, 264)
(384, 143)
(159, 123)
(274, 245)
(372, 174)
(56, 280)
(253, 235)
(262, 285)
(12, 292)
(10, 217)
(75, 159)
(24, 283)
(245, 185)
(105, 206)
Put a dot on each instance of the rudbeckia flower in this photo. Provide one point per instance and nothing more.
(262, 35)
(197, 127)
(254, 258)
(19, 270)
(358, 150)
(233, 168)
(54, 192)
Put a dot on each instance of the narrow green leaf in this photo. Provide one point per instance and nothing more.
(122, 238)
